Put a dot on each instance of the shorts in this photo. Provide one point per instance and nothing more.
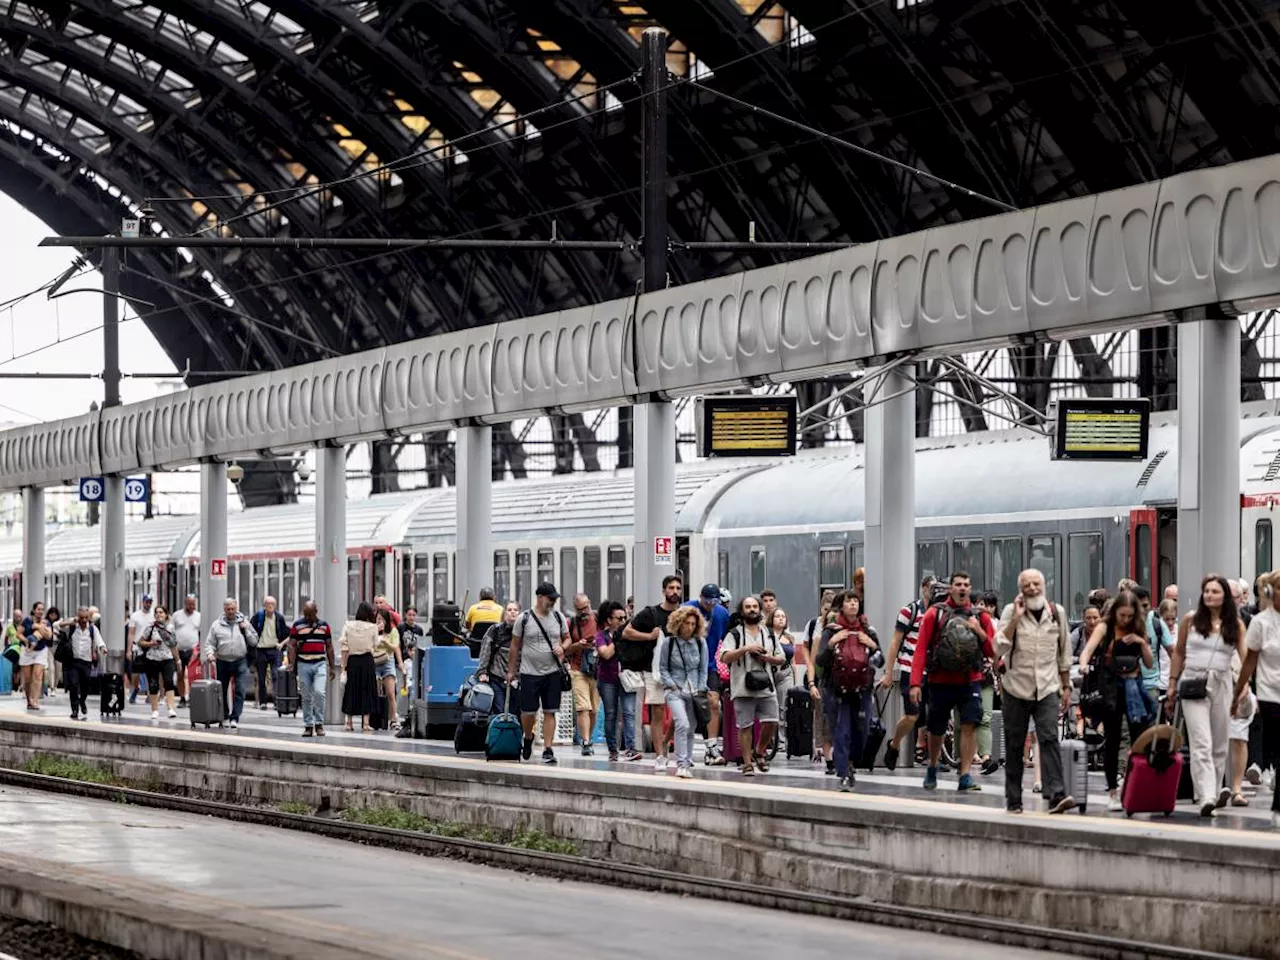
(1238, 729)
(157, 671)
(184, 656)
(945, 697)
(747, 710)
(913, 709)
(654, 695)
(540, 692)
(714, 683)
(387, 668)
(586, 695)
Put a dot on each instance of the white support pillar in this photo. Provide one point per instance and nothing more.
(33, 523)
(213, 540)
(655, 500)
(1208, 452)
(330, 574)
(890, 530)
(114, 590)
(474, 473)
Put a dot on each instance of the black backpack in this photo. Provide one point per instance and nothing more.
(954, 646)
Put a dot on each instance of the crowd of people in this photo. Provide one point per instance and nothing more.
(692, 667)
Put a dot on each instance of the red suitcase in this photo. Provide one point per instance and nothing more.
(1151, 790)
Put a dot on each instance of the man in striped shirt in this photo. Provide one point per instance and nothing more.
(311, 654)
(905, 633)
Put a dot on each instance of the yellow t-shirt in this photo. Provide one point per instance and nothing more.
(387, 645)
(486, 611)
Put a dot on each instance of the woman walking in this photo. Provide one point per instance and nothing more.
(36, 638)
(681, 655)
(159, 646)
(848, 707)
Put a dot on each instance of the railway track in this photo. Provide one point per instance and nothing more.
(1078, 943)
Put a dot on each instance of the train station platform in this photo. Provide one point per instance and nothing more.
(1193, 888)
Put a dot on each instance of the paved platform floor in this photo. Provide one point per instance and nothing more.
(795, 773)
(402, 905)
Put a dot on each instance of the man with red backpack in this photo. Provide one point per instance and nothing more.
(846, 674)
(956, 639)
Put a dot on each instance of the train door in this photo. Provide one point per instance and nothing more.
(682, 567)
(1144, 549)
(402, 577)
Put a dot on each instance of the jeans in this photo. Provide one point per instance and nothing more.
(630, 707)
(76, 674)
(313, 681)
(239, 669)
(847, 718)
(1111, 721)
(500, 696)
(1017, 714)
(263, 658)
(610, 696)
(681, 707)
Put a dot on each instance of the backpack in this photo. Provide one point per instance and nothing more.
(851, 668)
(955, 647)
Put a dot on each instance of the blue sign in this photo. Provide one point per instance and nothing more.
(92, 489)
(137, 489)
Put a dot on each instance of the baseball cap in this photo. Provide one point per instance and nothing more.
(146, 598)
(548, 590)
(710, 592)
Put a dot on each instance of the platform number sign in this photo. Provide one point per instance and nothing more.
(218, 568)
(92, 489)
(137, 489)
(662, 551)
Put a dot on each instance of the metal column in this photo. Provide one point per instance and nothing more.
(331, 556)
(890, 508)
(654, 423)
(1208, 452)
(213, 540)
(114, 595)
(474, 478)
(33, 523)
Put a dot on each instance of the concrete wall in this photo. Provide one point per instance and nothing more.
(1219, 890)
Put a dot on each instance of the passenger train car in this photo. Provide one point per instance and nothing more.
(990, 503)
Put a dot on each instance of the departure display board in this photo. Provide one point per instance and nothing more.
(747, 426)
(1102, 430)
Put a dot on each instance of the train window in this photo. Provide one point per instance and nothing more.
(289, 590)
(440, 577)
(244, 588)
(569, 573)
(1084, 558)
(618, 574)
(232, 571)
(971, 557)
(524, 579)
(592, 584)
(1044, 557)
(1261, 547)
(422, 584)
(259, 584)
(931, 560)
(857, 558)
(547, 570)
(379, 564)
(1006, 564)
(353, 585)
(722, 569)
(1142, 556)
(95, 592)
(502, 575)
(757, 569)
(86, 590)
(304, 582)
(274, 587)
(831, 568)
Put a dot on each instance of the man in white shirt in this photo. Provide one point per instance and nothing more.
(139, 620)
(186, 628)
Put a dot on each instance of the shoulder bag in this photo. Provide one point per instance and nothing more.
(1197, 688)
(757, 679)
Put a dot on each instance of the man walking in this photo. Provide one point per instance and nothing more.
(311, 655)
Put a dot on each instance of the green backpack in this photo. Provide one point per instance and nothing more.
(956, 647)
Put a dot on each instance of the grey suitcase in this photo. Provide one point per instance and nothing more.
(1075, 771)
(206, 703)
(997, 736)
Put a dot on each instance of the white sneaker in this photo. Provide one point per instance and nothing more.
(155, 714)
(1253, 774)
(173, 714)
(684, 773)
(1114, 805)
(660, 765)
(234, 725)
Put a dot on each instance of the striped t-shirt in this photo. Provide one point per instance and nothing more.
(909, 619)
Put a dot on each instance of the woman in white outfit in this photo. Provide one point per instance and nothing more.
(1200, 675)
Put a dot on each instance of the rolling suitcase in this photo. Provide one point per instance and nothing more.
(875, 735)
(287, 699)
(799, 723)
(112, 694)
(205, 698)
(1075, 771)
(504, 737)
(729, 729)
(470, 735)
(997, 736)
(1151, 782)
(378, 715)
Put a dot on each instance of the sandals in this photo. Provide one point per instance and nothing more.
(1239, 800)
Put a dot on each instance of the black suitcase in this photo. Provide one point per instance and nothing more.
(112, 694)
(378, 716)
(799, 723)
(287, 699)
(469, 735)
(875, 736)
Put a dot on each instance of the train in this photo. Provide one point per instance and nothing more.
(989, 503)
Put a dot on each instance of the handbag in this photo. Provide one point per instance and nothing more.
(566, 679)
(631, 680)
(758, 679)
(1196, 688)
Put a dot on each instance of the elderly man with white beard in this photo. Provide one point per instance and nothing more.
(1033, 645)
